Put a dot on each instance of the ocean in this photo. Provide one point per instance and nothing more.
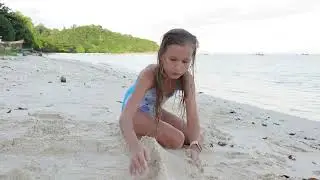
(288, 83)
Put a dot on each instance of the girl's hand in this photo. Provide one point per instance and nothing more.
(194, 152)
(139, 158)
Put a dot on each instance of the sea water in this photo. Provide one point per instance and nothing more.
(289, 83)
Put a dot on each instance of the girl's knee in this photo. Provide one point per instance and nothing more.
(178, 140)
(173, 139)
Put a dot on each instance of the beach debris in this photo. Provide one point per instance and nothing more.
(119, 101)
(238, 119)
(264, 124)
(306, 138)
(314, 163)
(211, 144)
(253, 122)
(49, 81)
(292, 134)
(222, 143)
(6, 67)
(232, 145)
(265, 138)
(21, 108)
(9, 111)
(292, 157)
(200, 92)
(232, 112)
(276, 124)
(285, 176)
(63, 79)
(124, 76)
(316, 173)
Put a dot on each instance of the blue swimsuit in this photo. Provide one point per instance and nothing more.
(148, 102)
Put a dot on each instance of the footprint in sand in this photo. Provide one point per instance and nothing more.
(47, 123)
(16, 174)
(214, 137)
(44, 129)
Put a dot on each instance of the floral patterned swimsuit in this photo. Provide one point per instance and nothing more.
(148, 102)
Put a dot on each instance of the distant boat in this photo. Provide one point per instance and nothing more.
(259, 54)
(304, 54)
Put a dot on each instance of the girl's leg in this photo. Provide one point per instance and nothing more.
(178, 123)
(167, 135)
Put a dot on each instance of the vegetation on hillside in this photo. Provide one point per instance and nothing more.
(76, 39)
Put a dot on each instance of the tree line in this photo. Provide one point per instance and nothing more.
(15, 26)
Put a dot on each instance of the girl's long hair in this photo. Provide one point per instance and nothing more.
(172, 37)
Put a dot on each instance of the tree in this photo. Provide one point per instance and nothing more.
(76, 39)
(6, 29)
(4, 9)
(22, 26)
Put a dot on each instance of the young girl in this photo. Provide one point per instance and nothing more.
(142, 114)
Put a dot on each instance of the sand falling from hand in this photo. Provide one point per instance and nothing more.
(167, 164)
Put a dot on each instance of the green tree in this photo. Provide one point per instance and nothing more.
(25, 30)
(22, 25)
(91, 39)
(76, 39)
(6, 29)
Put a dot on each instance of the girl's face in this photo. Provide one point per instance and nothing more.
(176, 60)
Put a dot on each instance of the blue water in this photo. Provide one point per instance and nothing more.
(280, 82)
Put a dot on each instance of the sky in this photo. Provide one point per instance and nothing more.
(229, 26)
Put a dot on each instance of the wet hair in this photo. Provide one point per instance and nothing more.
(172, 37)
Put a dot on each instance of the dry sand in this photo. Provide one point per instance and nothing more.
(55, 130)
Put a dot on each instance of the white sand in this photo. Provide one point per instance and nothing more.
(70, 130)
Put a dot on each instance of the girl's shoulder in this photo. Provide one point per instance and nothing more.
(146, 75)
(151, 67)
(148, 71)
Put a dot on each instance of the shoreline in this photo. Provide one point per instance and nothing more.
(290, 104)
(79, 118)
(291, 110)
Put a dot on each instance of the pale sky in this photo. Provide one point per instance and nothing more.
(235, 26)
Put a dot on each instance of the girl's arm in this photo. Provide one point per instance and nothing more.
(144, 82)
(193, 124)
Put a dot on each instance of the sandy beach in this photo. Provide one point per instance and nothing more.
(69, 130)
